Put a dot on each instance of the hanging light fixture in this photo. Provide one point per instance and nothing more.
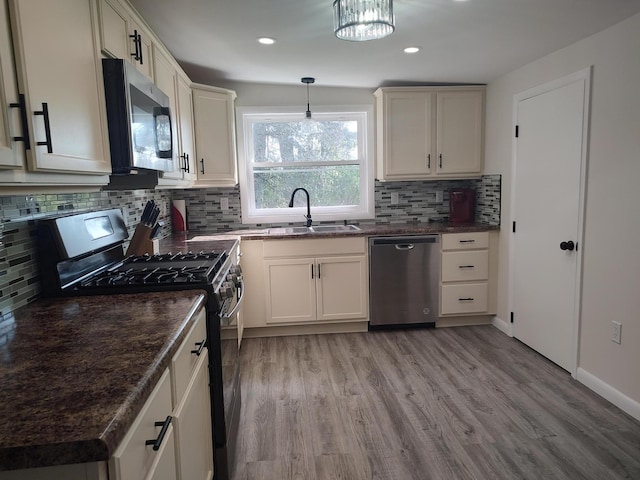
(308, 80)
(360, 20)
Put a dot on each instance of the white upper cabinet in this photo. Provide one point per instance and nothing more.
(12, 152)
(429, 132)
(213, 111)
(58, 71)
(170, 79)
(123, 35)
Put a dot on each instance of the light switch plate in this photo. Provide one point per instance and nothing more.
(439, 196)
(394, 198)
(224, 203)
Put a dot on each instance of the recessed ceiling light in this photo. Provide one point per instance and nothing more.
(411, 49)
(266, 40)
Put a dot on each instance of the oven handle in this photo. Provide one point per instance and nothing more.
(237, 307)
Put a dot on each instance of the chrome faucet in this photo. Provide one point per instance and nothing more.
(308, 215)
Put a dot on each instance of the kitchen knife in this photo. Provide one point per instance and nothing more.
(156, 230)
(154, 216)
(146, 213)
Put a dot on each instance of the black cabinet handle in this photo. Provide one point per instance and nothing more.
(466, 241)
(202, 165)
(429, 161)
(567, 245)
(318, 270)
(140, 49)
(466, 266)
(185, 157)
(137, 56)
(440, 160)
(158, 441)
(312, 270)
(22, 105)
(467, 299)
(47, 127)
(201, 346)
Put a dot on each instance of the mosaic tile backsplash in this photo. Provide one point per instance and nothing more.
(19, 282)
(417, 202)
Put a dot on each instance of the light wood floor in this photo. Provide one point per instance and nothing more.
(455, 403)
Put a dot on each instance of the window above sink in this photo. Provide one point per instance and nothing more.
(330, 155)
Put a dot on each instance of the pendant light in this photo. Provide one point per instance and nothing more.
(361, 20)
(308, 80)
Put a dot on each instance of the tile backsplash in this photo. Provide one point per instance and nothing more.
(19, 282)
(417, 202)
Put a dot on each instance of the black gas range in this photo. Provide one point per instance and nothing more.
(83, 254)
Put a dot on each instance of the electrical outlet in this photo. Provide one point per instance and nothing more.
(224, 203)
(439, 196)
(394, 198)
(616, 332)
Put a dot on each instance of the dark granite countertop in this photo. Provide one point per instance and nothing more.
(196, 241)
(75, 372)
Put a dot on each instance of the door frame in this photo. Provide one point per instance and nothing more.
(584, 76)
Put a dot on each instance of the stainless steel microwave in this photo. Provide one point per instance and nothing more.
(139, 120)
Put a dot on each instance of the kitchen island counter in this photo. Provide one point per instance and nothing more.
(76, 371)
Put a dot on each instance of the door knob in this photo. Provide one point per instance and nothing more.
(567, 245)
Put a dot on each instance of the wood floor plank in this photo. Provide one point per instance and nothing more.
(443, 404)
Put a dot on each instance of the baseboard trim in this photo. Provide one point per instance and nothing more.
(311, 329)
(501, 325)
(619, 399)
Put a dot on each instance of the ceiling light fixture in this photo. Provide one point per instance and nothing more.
(361, 20)
(266, 40)
(412, 50)
(308, 80)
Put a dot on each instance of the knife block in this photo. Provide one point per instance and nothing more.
(141, 243)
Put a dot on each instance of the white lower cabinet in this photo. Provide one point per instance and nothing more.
(193, 430)
(138, 456)
(301, 287)
(468, 274)
(182, 395)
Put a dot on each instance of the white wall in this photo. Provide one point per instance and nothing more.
(611, 269)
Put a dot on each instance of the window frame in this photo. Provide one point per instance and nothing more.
(363, 114)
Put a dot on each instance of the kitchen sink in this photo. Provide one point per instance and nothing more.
(334, 228)
(312, 229)
(288, 230)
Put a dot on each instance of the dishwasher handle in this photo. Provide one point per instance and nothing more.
(404, 246)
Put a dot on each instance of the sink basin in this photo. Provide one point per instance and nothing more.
(288, 230)
(334, 228)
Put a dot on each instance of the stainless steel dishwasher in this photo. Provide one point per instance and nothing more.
(404, 278)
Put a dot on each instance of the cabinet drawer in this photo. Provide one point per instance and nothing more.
(184, 361)
(133, 458)
(465, 241)
(465, 298)
(465, 266)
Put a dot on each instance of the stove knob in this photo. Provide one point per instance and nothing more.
(233, 278)
(227, 290)
(236, 269)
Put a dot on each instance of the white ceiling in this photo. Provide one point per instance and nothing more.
(462, 42)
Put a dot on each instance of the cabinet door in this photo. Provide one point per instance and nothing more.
(408, 134)
(185, 125)
(11, 152)
(290, 290)
(165, 466)
(114, 33)
(144, 64)
(193, 427)
(165, 79)
(215, 137)
(341, 286)
(58, 66)
(460, 132)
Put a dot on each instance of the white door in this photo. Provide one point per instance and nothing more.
(549, 173)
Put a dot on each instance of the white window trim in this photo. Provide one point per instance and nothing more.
(364, 211)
